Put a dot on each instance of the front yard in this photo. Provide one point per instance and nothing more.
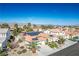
(36, 49)
(44, 50)
(20, 49)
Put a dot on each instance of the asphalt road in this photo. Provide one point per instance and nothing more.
(70, 51)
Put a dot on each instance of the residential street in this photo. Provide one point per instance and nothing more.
(70, 51)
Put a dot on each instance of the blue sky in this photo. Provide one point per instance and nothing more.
(61, 14)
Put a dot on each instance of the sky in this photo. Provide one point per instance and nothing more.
(40, 13)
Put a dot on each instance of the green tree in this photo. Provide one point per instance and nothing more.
(24, 27)
(0, 25)
(8, 44)
(5, 25)
(12, 38)
(29, 25)
(43, 26)
(15, 33)
(35, 26)
(29, 29)
(19, 30)
(50, 26)
(16, 26)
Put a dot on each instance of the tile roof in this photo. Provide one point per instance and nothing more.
(28, 38)
(41, 36)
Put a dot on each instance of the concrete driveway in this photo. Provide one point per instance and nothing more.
(69, 51)
(46, 50)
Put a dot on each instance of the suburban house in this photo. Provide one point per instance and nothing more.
(34, 36)
(47, 31)
(40, 29)
(36, 29)
(42, 37)
(4, 37)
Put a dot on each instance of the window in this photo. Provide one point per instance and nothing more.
(3, 34)
(0, 45)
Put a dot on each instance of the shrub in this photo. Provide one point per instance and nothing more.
(19, 52)
(53, 45)
(8, 44)
(46, 43)
(20, 40)
(69, 39)
(22, 47)
(74, 38)
(61, 40)
(3, 53)
(24, 50)
(15, 50)
(12, 38)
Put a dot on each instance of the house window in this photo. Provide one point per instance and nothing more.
(3, 34)
(0, 44)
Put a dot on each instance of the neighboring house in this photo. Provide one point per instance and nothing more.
(35, 29)
(50, 39)
(40, 37)
(4, 37)
(40, 29)
(47, 31)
